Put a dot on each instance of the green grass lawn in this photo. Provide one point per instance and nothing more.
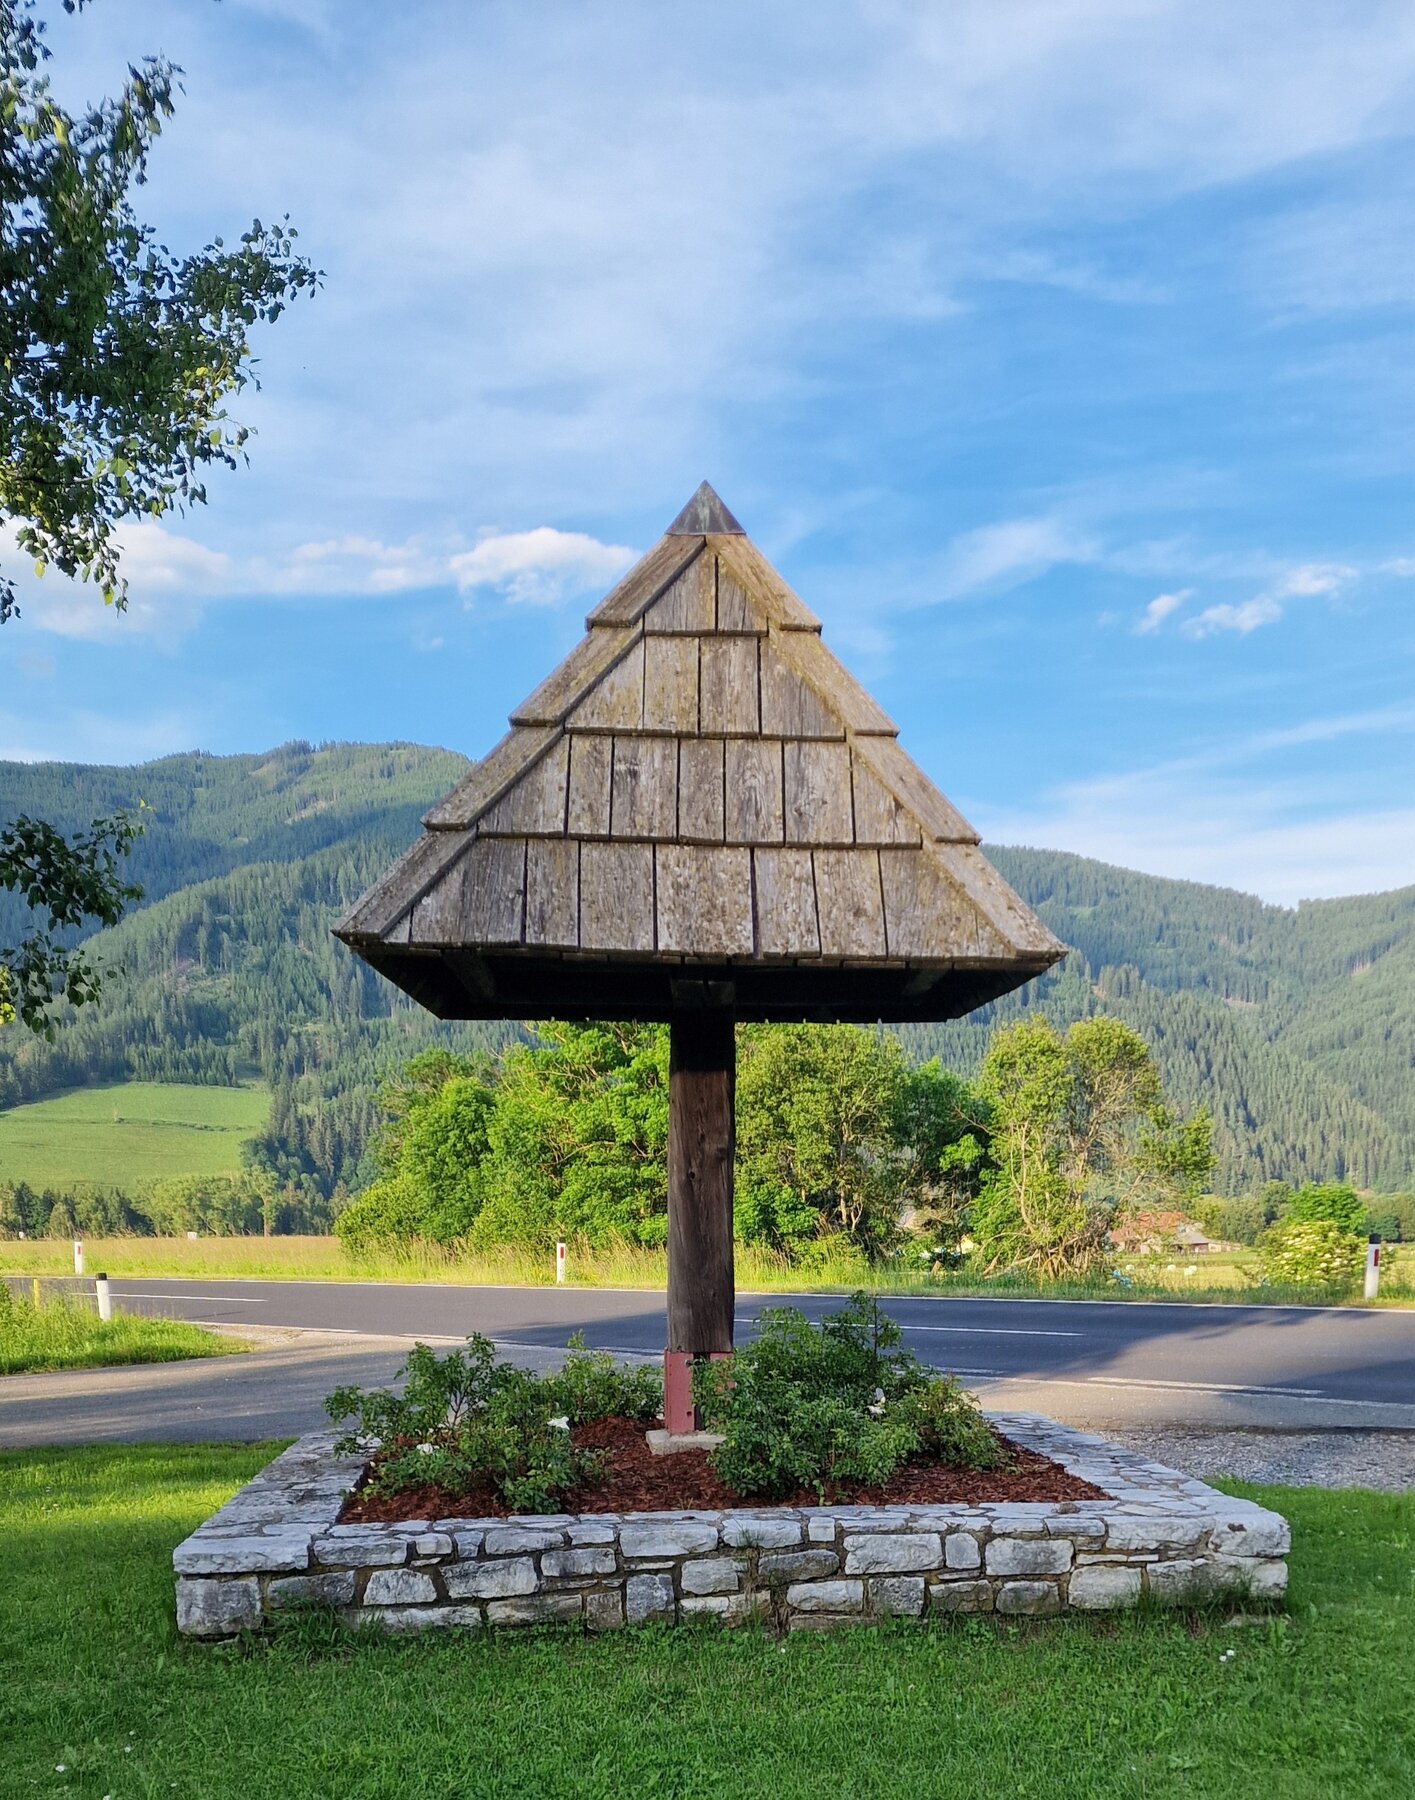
(134, 1132)
(67, 1334)
(1318, 1703)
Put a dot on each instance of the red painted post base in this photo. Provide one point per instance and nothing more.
(680, 1416)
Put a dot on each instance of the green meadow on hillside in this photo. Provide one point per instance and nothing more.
(129, 1133)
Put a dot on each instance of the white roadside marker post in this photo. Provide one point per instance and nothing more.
(561, 1260)
(1373, 1267)
(78, 1256)
(105, 1299)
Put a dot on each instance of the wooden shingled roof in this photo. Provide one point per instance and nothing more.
(700, 805)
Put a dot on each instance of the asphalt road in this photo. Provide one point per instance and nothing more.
(1091, 1363)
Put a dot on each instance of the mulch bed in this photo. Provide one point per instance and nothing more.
(635, 1480)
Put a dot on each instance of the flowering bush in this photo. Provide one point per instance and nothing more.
(465, 1420)
(804, 1405)
(1311, 1253)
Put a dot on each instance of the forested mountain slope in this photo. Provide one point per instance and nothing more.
(1296, 1027)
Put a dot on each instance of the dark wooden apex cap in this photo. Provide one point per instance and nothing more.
(705, 516)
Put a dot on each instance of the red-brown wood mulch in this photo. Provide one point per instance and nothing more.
(635, 1480)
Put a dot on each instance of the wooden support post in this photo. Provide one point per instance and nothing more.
(701, 1146)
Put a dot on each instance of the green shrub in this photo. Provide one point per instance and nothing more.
(807, 1406)
(465, 1420)
(1330, 1202)
(1314, 1253)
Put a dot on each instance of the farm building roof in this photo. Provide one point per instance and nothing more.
(699, 806)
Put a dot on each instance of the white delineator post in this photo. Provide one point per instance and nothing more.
(105, 1298)
(78, 1256)
(1373, 1267)
(561, 1263)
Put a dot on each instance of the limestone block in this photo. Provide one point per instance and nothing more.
(536, 1609)
(361, 1553)
(710, 1575)
(825, 1596)
(432, 1543)
(577, 1565)
(961, 1551)
(798, 1565)
(706, 1605)
(763, 1534)
(516, 1540)
(645, 1542)
(200, 1555)
(648, 1597)
(1034, 1598)
(421, 1618)
(1180, 1580)
(399, 1587)
(1102, 1585)
(900, 1595)
(821, 1531)
(207, 1608)
(604, 1609)
(1029, 1556)
(1137, 1532)
(491, 1580)
(468, 1543)
(334, 1589)
(961, 1596)
(886, 1555)
(1257, 1577)
(1265, 1534)
(590, 1531)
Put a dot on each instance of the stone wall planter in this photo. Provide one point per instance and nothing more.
(1157, 1534)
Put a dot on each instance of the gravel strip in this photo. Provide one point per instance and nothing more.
(1330, 1459)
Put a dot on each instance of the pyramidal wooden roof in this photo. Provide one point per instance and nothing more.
(699, 806)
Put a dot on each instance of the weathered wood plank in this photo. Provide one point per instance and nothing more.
(437, 916)
(703, 897)
(700, 781)
(390, 898)
(535, 805)
(1010, 928)
(617, 703)
(849, 903)
(753, 809)
(767, 593)
(903, 778)
(880, 818)
(616, 896)
(734, 610)
(553, 892)
(483, 785)
(701, 1154)
(785, 903)
(927, 916)
(823, 672)
(493, 892)
(587, 810)
(671, 684)
(590, 660)
(727, 686)
(687, 604)
(644, 789)
(626, 603)
(789, 707)
(817, 793)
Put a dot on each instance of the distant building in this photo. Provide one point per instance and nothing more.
(1162, 1233)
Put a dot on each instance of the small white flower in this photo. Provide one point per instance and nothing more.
(560, 1423)
(427, 1449)
(59, 1768)
(878, 1407)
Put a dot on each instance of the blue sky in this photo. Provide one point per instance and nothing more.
(1059, 352)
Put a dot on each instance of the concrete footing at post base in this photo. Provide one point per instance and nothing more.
(1157, 1535)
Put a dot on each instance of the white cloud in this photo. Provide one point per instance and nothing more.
(1216, 816)
(1303, 582)
(1011, 551)
(1403, 566)
(1160, 609)
(540, 567)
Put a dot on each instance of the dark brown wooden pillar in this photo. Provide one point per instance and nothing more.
(702, 1068)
